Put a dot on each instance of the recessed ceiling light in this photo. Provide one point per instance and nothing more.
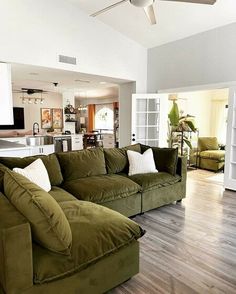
(33, 74)
(103, 83)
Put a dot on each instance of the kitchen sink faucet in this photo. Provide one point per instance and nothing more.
(35, 128)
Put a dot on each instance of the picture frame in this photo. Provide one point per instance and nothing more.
(46, 118)
(57, 118)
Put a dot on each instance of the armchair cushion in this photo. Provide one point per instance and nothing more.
(218, 155)
(48, 222)
(207, 143)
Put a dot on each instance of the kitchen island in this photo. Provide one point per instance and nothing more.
(13, 149)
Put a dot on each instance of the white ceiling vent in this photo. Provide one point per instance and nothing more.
(67, 59)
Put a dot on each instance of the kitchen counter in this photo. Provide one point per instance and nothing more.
(6, 145)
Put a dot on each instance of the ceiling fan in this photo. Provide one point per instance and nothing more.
(147, 6)
(29, 91)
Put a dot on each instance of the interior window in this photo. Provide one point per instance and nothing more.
(104, 116)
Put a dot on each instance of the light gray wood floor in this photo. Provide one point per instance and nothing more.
(189, 247)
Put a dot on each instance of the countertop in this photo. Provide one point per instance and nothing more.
(6, 145)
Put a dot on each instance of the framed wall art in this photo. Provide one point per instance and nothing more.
(46, 118)
(57, 118)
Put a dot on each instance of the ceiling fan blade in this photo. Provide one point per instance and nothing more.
(108, 8)
(150, 14)
(209, 2)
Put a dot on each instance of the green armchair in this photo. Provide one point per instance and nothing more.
(209, 156)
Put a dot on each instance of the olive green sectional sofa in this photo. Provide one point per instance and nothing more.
(105, 250)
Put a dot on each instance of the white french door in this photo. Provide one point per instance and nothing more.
(230, 152)
(149, 119)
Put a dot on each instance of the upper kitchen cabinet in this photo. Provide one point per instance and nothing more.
(6, 107)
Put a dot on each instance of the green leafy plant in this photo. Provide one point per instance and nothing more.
(177, 125)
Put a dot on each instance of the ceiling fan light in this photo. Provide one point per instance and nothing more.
(30, 101)
(142, 3)
(41, 101)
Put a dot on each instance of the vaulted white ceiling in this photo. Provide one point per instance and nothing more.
(175, 20)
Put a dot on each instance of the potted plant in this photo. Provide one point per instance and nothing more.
(177, 126)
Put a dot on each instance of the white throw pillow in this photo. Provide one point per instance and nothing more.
(141, 163)
(37, 173)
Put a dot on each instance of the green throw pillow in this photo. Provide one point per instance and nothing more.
(83, 163)
(117, 159)
(49, 224)
(50, 161)
(166, 159)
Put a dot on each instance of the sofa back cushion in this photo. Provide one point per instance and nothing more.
(117, 159)
(3, 169)
(207, 143)
(165, 158)
(50, 161)
(81, 164)
(49, 224)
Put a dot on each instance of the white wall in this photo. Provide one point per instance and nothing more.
(32, 111)
(206, 58)
(35, 32)
(86, 101)
(197, 104)
(125, 107)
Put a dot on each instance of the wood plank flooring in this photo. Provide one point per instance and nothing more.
(189, 247)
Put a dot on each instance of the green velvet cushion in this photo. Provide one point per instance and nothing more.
(83, 163)
(117, 160)
(3, 168)
(207, 143)
(48, 222)
(153, 181)
(100, 189)
(50, 161)
(165, 158)
(96, 231)
(218, 155)
(60, 194)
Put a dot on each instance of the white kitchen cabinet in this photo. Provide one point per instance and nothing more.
(42, 150)
(77, 142)
(108, 140)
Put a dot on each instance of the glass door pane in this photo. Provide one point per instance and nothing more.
(146, 119)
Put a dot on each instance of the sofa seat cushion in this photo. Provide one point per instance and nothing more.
(152, 181)
(218, 155)
(60, 195)
(101, 189)
(97, 231)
